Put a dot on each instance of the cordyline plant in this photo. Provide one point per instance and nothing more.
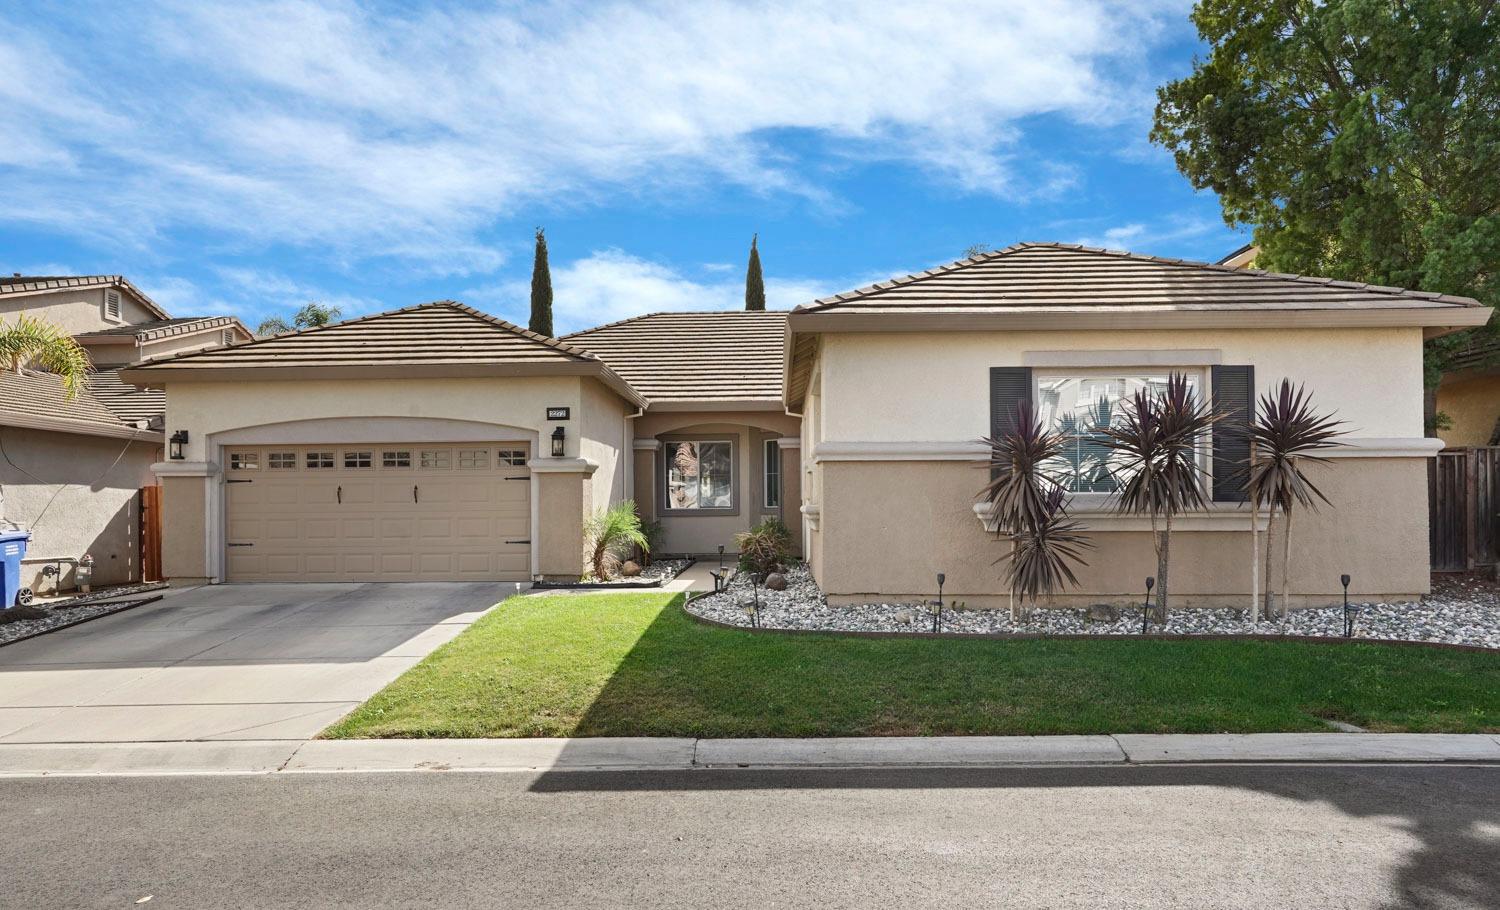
(1285, 436)
(1155, 448)
(1029, 507)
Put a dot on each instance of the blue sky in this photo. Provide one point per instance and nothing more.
(247, 157)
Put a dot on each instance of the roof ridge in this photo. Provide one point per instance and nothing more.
(657, 313)
(991, 255)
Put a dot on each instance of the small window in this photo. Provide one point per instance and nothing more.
(396, 459)
(473, 459)
(358, 459)
(700, 475)
(773, 474)
(282, 461)
(319, 460)
(112, 304)
(244, 461)
(437, 459)
(513, 457)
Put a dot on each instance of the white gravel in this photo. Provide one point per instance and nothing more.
(664, 570)
(1460, 611)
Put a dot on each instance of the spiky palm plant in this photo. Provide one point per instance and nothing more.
(32, 342)
(1024, 496)
(1286, 435)
(1044, 553)
(1155, 448)
(611, 533)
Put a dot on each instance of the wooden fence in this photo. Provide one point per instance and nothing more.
(1463, 508)
(150, 534)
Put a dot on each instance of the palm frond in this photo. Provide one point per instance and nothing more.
(1287, 434)
(610, 534)
(1046, 551)
(32, 342)
(1020, 479)
(1155, 444)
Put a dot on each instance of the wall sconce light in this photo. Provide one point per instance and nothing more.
(175, 444)
(559, 442)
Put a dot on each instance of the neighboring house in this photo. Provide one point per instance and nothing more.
(1469, 393)
(71, 470)
(896, 383)
(419, 444)
(1242, 258)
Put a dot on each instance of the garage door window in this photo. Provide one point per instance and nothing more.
(396, 459)
(513, 457)
(244, 461)
(282, 461)
(358, 459)
(317, 460)
(473, 459)
(437, 459)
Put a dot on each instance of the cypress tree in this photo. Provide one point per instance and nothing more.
(541, 289)
(755, 285)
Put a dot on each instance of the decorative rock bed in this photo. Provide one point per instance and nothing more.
(1459, 611)
(50, 618)
(660, 571)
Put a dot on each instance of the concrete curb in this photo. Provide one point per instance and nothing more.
(683, 754)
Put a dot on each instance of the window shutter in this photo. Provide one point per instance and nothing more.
(1233, 394)
(1009, 386)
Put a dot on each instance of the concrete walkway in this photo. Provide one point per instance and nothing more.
(682, 754)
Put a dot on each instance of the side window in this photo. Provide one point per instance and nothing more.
(317, 460)
(772, 468)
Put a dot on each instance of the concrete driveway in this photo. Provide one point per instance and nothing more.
(266, 661)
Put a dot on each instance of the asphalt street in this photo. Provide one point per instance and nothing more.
(1264, 836)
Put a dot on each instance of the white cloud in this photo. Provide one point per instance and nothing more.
(610, 285)
(1143, 238)
(378, 132)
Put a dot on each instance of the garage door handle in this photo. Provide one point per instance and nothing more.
(239, 545)
(414, 494)
(340, 494)
(523, 477)
(518, 541)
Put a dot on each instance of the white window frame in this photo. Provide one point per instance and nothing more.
(734, 470)
(1198, 373)
(770, 464)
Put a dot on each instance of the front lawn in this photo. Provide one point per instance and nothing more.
(636, 665)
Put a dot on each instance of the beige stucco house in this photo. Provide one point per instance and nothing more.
(1469, 394)
(440, 443)
(896, 383)
(73, 468)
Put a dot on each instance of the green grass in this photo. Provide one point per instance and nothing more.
(636, 665)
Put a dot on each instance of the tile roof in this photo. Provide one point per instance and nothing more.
(163, 328)
(124, 400)
(726, 356)
(38, 400)
(431, 339)
(33, 284)
(1046, 276)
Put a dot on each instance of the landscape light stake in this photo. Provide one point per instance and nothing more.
(1146, 605)
(1348, 614)
(937, 612)
(721, 559)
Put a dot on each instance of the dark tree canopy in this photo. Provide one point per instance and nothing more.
(755, 285)
(1360, 138)
(541, 289)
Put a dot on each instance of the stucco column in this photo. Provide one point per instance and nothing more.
(188, 495)
(791, 488)
(645, 477)
(563, 497)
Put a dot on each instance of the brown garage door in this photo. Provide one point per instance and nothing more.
(388, 512)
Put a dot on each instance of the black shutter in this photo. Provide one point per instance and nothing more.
(1234, 394)
(1009, 386)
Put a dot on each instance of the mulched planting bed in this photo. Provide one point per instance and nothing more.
(1462, 610)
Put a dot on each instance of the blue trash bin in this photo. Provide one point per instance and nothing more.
(12, 551)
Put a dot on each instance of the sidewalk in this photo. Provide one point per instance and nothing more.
(669, 754)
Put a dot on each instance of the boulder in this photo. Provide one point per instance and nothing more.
(630, 568)
(776, 581)
(1103, 613)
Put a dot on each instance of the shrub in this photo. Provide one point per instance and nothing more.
(611, 534)
(765, 546)
(654, 535)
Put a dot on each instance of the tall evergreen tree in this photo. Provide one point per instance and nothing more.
(755, 285)
(541, 289)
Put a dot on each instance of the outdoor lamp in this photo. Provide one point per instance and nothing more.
(1146, 606)
(559, 442)
(1348, 616)
(175, 444)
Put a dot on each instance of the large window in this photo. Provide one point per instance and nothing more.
(773, 474)
(699, 474)
(1081, 405)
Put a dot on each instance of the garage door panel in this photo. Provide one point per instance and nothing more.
(427, 511)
